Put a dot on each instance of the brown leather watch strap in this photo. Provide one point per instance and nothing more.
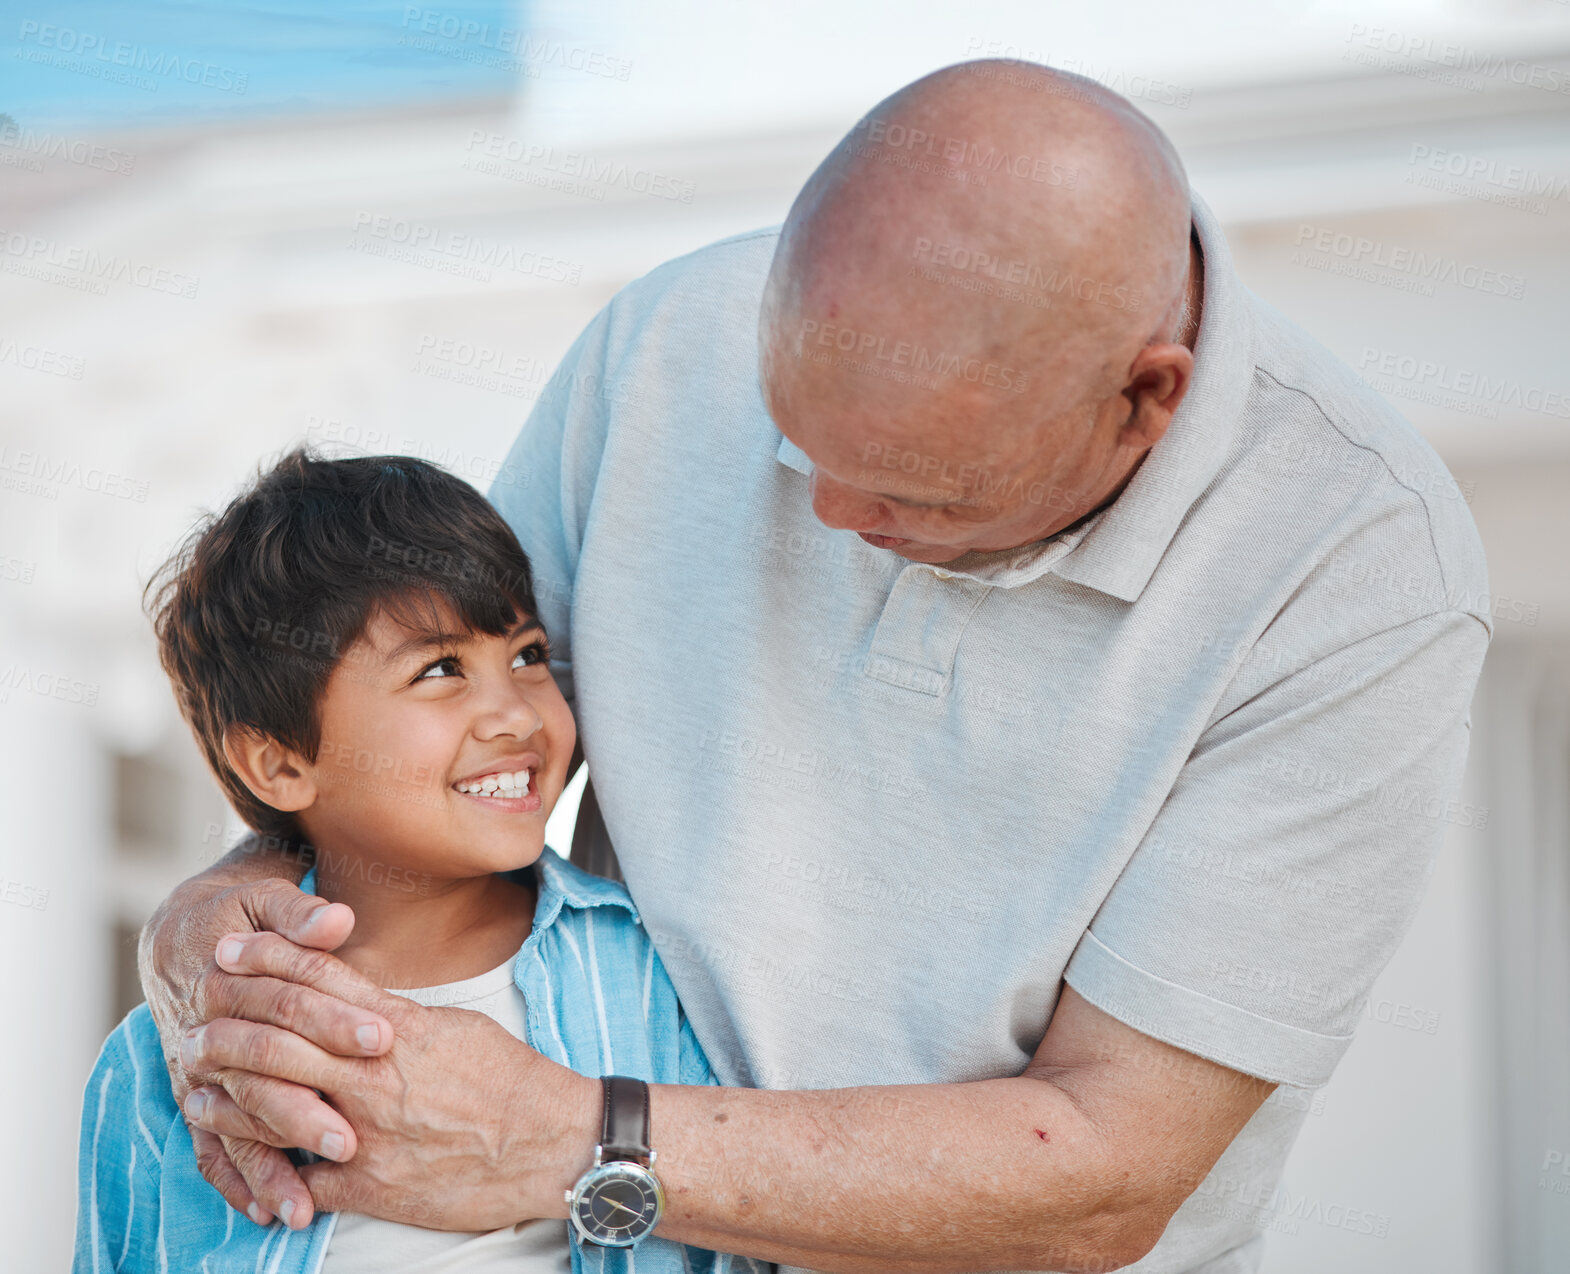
(626, 1131)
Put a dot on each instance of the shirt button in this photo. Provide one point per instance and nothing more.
(941, 573)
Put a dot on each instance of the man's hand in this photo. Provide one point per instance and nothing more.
(185, 989)
(458, 1126)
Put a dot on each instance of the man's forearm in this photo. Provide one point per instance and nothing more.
(994, 1174)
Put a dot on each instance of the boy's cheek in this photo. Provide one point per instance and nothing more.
(563, 731)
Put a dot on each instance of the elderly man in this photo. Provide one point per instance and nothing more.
(1023, 684)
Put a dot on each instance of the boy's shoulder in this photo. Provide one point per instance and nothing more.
(128, 1096)
(135, 1049)
(597, 981)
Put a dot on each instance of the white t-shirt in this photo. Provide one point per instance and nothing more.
(370, 1245)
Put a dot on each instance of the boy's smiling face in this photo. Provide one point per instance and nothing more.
(417, 728)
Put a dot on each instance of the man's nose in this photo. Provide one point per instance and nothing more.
(844, 508)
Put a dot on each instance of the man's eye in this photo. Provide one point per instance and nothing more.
(447, 666)
(536, 652)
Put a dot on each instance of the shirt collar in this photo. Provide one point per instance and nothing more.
(561, 883)
(1116, 551)
(792, 455)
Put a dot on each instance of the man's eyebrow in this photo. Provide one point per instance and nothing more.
(436, 641)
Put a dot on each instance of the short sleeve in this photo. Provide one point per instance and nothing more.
(127, 1111)
(545, 487)
(1290, 856)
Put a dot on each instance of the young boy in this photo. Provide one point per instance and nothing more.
(406, 730)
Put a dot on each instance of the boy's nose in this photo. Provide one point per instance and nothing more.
(511, 713)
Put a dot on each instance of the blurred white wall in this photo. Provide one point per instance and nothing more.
(259, 305)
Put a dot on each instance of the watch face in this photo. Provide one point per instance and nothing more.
(618, 1204)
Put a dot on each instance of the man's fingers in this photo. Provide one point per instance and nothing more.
(320, 1017)
(272, 955)
(281, 907)
(212, 1160)
(273, 1112)
(228, 1044)
(273, 1180)
(334, 1187)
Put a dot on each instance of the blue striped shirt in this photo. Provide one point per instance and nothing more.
(597, 1000)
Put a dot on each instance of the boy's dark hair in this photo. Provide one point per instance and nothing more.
(258, 605)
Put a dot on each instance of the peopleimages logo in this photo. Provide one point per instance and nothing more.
(1450, 56)
(1276, 1207)
(573, 171)
(33, 148)
(1555, 1172)
(88, 268)
(848, 347)
(965, 154)
(449, 34)
(1455, 163)
(38, 358)
(1360, 251)
(1029, 275)
(47, 685)
(84, 51)
(1161, 92)
(452, 252)
(20, 894)
(1432, 381)
(38, 473)
(1479, 177)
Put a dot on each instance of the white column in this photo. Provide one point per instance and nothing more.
(54, 947)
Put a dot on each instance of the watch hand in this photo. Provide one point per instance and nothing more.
(624, 1208)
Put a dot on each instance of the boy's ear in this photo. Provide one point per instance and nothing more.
(276, 775)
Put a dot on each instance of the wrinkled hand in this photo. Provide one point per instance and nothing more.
(186, 988)
(458, 1126)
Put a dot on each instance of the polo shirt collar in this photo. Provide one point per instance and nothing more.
(1116, 551)
(792, 455)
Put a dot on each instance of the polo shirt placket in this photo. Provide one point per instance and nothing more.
(917, 637)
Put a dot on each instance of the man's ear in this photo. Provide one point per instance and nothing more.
(277, 776)
(1158, 381)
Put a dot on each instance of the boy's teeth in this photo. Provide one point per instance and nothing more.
(498, 784)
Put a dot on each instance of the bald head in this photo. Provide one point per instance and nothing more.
(1040, 211)
(981, 260)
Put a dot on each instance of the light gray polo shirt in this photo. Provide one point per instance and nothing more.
(1194, 757)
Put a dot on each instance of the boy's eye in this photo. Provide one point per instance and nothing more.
(536, 652)
(446, 666)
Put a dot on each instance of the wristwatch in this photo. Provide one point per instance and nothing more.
(618, 1201)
